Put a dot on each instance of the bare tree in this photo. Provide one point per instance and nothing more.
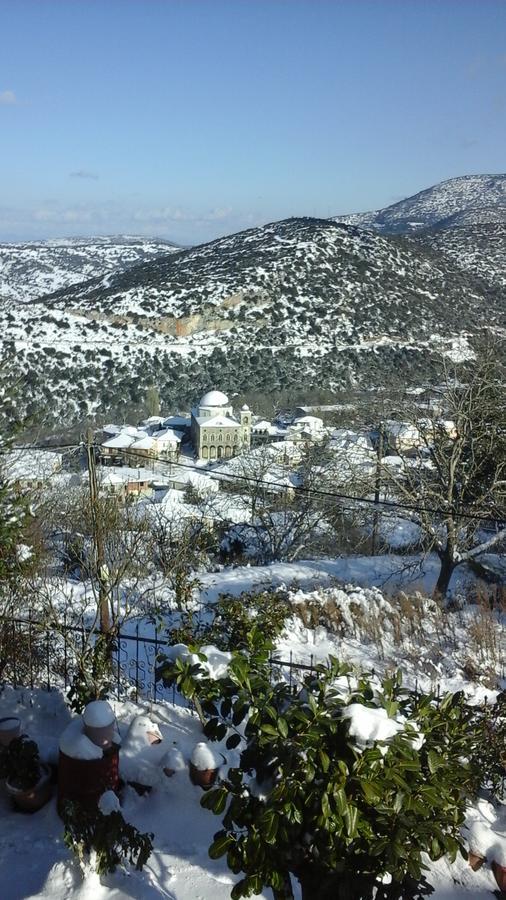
(452, 480)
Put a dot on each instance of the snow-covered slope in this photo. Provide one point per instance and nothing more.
(475, 198)
(479, 249)
(32, 269)
(303, 302)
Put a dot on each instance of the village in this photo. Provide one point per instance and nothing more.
(170, 452)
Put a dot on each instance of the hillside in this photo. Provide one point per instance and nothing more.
(34, 268)
(298, 303)
(470, 199)
(479, 249)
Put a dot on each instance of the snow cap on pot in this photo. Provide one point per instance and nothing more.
(204, 765)
(109, 803)
(173, 762)
(10, 728)
(100, 723)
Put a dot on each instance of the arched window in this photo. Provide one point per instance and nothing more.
(205, 452)
(236, 438)
(212, 439)
(227, 438)
(220, 438)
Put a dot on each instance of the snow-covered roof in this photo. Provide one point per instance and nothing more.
(31, 465)
(200, 482)
(167, 436)
(144, 443)
(214, 398)
(311, 421)
(111, 429)
(120, 442)
(133, 431)
(263, 425)
(153, 420)
(128, 475)
(217, 421)
(177, 422)
(402, 430)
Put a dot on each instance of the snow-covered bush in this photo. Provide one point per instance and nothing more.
(103, 838)
(343, 786)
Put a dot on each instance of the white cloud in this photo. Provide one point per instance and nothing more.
(186, 226)
(8, 98)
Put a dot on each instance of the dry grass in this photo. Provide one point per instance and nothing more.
(417, 629)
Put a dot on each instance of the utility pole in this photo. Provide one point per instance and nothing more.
(377, 490)
(98, 538)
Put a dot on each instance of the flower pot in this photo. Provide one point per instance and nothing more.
(203, 778)
(84, 781)
(101, 735)
(475, 860)
(10, 728)
(99, 723)
(34, 798)
(500, 875)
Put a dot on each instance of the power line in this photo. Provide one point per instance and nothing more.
(301, 489)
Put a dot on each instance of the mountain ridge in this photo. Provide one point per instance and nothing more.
(292, 303)
(433, 205)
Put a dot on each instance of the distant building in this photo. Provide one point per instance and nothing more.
(31, 469)
(217, 433)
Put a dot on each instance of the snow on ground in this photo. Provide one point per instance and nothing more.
(36, 864)
(389, 572)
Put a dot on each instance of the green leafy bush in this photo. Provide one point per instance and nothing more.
(308, 798)
(108, 837)
(228, 622)
(93, 678)
(20, 763)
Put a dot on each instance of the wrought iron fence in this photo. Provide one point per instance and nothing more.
(35, 655)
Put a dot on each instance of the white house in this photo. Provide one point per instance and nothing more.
(28, 469)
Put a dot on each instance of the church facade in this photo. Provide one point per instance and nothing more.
(216, 432)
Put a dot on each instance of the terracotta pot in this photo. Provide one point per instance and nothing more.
(84, 781)
(10, 728)
(102, 735)
(33, 798)
(203, 778)
(500, 875)
(475, 860)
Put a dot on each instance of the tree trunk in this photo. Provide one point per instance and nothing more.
(444, 577)
(320, 885)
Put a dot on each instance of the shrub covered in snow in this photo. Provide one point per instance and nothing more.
(343, 789)
(103, 838)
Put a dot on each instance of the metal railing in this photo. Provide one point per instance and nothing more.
(37, 655)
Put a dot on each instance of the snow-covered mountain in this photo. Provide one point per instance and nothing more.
(34, 268)
(300, 303)
(479, 249)
(470, 200)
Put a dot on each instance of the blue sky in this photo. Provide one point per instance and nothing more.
(195, 118)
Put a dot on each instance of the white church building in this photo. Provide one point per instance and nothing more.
(216, 432)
